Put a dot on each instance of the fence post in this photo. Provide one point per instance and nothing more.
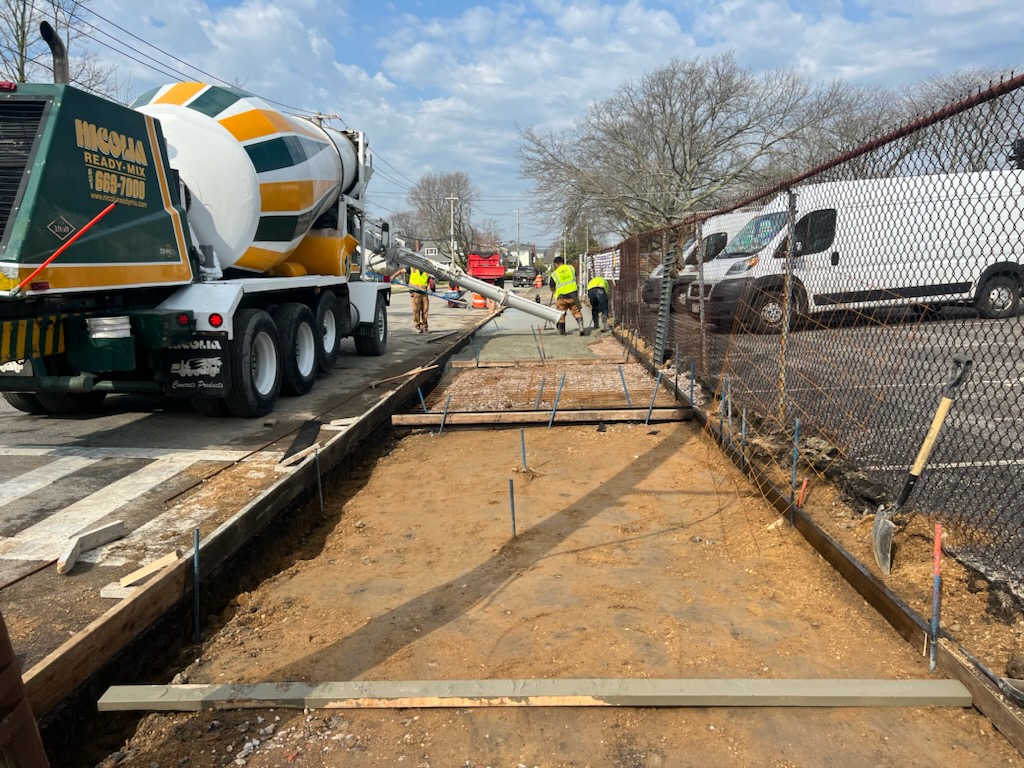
(786, 305)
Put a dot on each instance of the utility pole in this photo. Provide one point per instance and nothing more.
(451, 226)
(517, 239)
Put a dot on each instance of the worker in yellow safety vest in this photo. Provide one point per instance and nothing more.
(566, 293)
(419, 283)
(598, 293)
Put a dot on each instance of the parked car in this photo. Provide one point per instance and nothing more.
(716, 232)
(524, 276)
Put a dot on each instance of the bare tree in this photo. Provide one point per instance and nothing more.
(24, 56)
(487, 234)
(683, 138)
(975, 140)
(443, 205)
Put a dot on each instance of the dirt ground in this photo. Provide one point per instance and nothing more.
(641, 553)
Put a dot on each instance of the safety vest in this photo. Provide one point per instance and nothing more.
(598, 282)
(418, 279)
(565, 280)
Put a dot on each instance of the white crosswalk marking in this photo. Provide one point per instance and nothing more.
(46, 539)
(32, 481)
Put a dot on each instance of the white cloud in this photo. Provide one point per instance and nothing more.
(442, 90)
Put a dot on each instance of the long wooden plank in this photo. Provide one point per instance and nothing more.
(373, 694)
(547, 363)
(584, 416)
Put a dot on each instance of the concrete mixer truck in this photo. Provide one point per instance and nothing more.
(199, 244)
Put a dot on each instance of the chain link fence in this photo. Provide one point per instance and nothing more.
(841, 303)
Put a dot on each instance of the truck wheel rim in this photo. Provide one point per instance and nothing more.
(329, 332)
(305, 349)
(264, 364)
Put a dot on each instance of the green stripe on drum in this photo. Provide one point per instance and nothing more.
(215, 100)
(146, 97)
(282, 229)
(285, 228)
(283, 152)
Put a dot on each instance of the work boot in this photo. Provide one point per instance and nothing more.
(579, 322)
(561, 328)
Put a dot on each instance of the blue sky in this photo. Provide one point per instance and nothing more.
(445, 86)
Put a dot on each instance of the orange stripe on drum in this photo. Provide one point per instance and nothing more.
(258, 123)
(179, 93)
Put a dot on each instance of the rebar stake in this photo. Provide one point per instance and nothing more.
(540, 394)
(654, 396)
(796, 456)
(195, 585)
(625, 389)
(522, 441)
(558, 396)
(743, 440)
(319, 481)
(512, 504)
(423, 401)
(537, 342)
(691, 382)
(444, 416)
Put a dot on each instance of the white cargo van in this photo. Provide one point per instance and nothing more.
(931, 240)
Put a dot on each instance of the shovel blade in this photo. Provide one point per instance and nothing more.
(881, 541)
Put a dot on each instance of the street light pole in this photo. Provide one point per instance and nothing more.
(451, 225)
(517, 236)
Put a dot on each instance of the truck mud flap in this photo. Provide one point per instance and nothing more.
(197, 368)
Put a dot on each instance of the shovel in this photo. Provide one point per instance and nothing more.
(883, 528)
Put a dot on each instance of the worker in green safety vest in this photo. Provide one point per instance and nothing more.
(566, 293)
(419, 285)
(597, 295)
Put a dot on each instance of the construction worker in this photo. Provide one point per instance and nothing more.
(565, 293)
(538, 281)
(597, 294)
(419, 283)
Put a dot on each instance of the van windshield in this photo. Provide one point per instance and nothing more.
(756, 235)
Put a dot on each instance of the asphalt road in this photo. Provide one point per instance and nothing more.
(139, 458)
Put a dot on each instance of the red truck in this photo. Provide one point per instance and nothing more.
(486, 266)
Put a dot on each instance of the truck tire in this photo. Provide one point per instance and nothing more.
(67, 403)
(26, 402)
(255, 365)
(374, 340)
(999, 298)
(328, 325)
(300, 348)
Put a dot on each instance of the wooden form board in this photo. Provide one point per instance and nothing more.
(90, 540)
(588, 416)
(577, 692)
(547, 362)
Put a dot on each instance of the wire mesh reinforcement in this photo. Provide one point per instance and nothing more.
(840, 304)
